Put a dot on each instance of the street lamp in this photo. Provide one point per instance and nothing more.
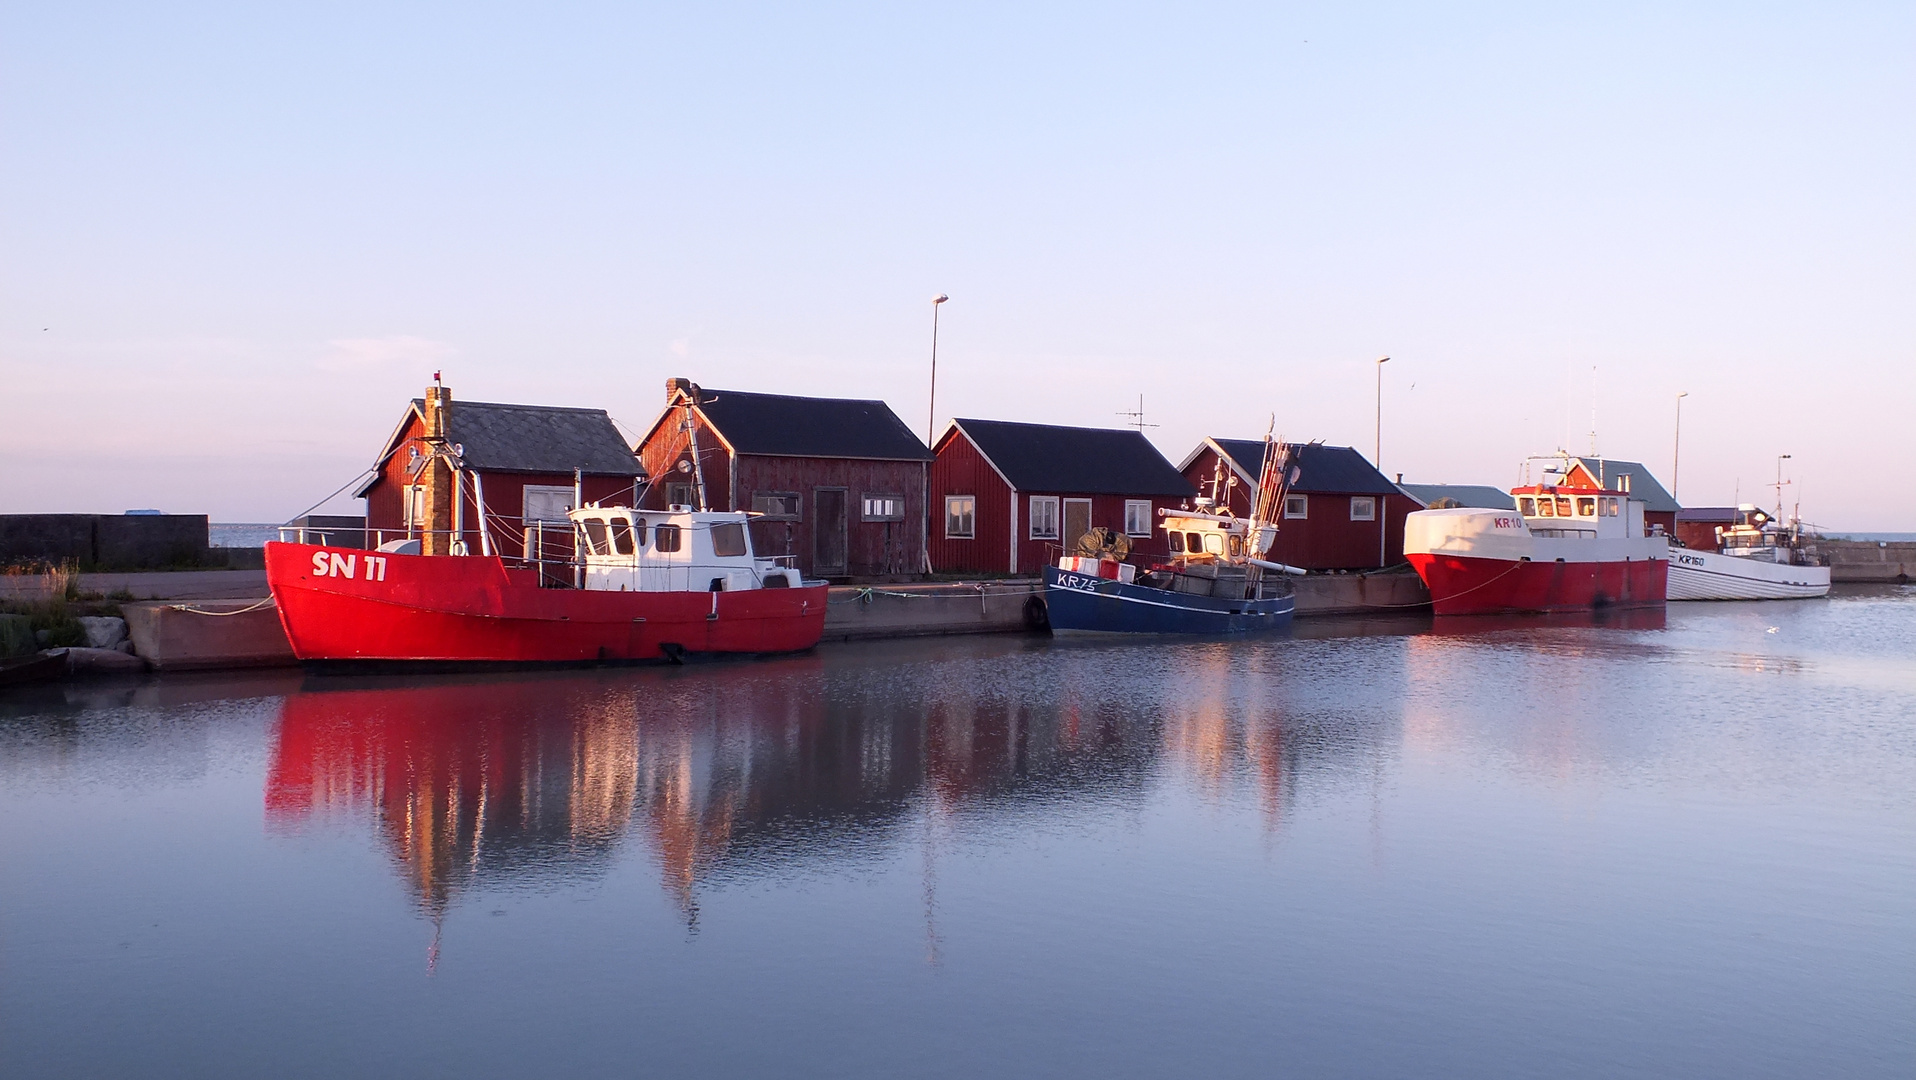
(1377, 452)
(1676, 449)
(931, 410)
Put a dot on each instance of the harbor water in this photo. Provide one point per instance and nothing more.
(1679, 844)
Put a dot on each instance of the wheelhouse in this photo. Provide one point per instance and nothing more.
(626, 549)
(1578, 513)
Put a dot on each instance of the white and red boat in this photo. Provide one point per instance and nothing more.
(644, 585)
(1563, 549)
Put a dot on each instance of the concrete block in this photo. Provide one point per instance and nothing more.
(208, 634)
(102, 631)
(1352, 594)
(859, 614)
(16, 635)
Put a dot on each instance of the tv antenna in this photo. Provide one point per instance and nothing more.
(1136, 416)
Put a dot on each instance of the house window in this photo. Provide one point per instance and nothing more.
(884, 507)
(547, 503)
(415, 504)
(1137, 517)
(1363, 508)
(777, 505)
(1297, 506)
(961, 516)
(1044, 517)
(1623, 483)
(682, 494)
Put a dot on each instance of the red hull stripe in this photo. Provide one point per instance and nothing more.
(1466, 586)
(476, 608)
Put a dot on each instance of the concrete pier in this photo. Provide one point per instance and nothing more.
(1881, 561)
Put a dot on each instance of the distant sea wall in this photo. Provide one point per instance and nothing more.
(1870, 560)
(105, 541)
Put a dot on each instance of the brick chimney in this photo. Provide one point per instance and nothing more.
(437, 475)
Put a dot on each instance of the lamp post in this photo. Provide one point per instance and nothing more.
(1676, 448)
(931, 410)
(1377, 452)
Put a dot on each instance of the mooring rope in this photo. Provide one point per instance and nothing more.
(191, 610)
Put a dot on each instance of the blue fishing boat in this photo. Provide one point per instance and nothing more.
(1215, 582)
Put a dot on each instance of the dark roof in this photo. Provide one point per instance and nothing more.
(1480, 496)
(1707, 513)
(785, 426)
(1643, 486)
(1074, 460)
(1330, 470)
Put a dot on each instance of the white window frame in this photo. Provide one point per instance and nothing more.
(1050, 505)
(970, 517)
(563, 494)
(1302, 503)
(1369, 503)
(413, 504)
(1137, 517)
(889, 507)
(688, 488)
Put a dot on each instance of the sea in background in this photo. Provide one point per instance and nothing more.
(1681, 844)
(243, 534)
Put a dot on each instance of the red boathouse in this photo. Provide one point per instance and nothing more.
(1340, 513)
(840, 482)
(1009, 498)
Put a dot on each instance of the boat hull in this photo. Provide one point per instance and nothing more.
(465, 610)
(1465, 585)
(1081, 604)
(1708, 575)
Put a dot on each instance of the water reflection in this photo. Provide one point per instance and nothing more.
(736, 772)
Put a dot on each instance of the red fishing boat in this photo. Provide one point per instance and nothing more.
(655, 586)
(1565, 548)
(610, 583)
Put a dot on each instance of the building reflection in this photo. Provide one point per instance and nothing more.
(734, 772)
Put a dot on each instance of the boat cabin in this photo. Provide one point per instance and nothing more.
(1202, 537)
(677, 549)
(1578, 513)
(1756, 535)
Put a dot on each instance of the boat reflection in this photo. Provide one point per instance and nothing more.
(731, 773)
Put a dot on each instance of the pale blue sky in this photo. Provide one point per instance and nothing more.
(236, 239)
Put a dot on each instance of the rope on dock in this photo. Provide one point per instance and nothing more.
(254, 606)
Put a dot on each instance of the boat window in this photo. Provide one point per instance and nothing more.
(1586, 507)
(1177, 542)
(595, 536)
(638, 532)
(1527, 507)
(666, 538)
(1563, 506)
(728, 539)
(1193, 543)
(1237, 546)
(621, 536)
(1610, 507)
(1214, 543)
(1545, 508)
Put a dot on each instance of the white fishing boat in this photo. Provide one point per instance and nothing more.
(1755, 559)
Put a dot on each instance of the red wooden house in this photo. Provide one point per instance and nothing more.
(1340, 513)
(840, 481)
(521, 460)
(1659, 506)
(1010, 497)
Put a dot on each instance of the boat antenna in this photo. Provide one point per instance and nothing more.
(690, 398)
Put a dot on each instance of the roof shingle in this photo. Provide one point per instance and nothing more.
(538, 438)
(1322, 469)
(1074, 460)
(782, 425)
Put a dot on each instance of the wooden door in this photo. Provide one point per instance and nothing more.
(828, 532)
(1077, 522)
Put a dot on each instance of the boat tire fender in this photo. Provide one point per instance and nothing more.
(1037, 615)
